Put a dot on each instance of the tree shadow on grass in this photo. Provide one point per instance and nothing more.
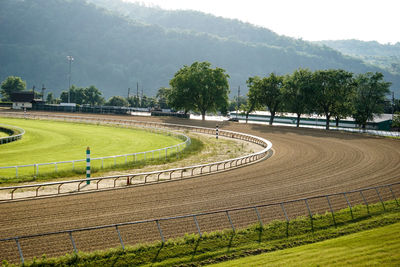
(155, 259)
(195, 249)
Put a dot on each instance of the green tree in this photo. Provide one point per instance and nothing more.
(200, 88)
(234, 104)
(162, 97)
(370, 96)
(396, 120)
(297, 92)
(76, 95)
(117, 101)
(268, 92)
(10, 85)
(92, 96)
(50, 98)
(329, 89)
(133, 101)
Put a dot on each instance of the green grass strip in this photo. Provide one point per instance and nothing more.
(376, 247)
(191, 250)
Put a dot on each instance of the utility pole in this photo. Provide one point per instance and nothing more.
(33, 90)
(137, 93)
(141, 99)
(70, 59)
(237, 102)
(129, 91)
(43, 88)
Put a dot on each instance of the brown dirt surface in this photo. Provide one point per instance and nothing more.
(306, 162)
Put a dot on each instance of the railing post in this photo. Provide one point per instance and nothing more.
(390, 187)
(120, 237)
(379, 195)
(365, 201)
(19, 250)
(330, 207)
(37, 190)
(230, 221)
(258, 216)
(348, 203)
(73, 242)
(160, 231)
(197, 224)
(287, 219)
(309, 213)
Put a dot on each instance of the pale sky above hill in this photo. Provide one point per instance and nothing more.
(311, 20)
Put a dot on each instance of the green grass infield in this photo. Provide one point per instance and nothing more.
(51, 141)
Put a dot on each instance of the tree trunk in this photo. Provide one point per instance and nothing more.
(328, 117)
(271, 119)
(203, 115)
(337, 121)
(298, 120)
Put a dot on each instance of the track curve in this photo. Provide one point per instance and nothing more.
(306, 162)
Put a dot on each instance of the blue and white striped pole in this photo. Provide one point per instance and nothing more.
(88, 165)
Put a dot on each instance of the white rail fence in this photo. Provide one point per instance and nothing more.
(16, 135)
(132, 157)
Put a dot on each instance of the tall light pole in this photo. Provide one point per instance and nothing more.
(70, 59)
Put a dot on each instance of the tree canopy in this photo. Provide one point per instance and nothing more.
(89, 95)
(267, 91)
(331, 88)
(370, 96)
(117, 101)
(298, 92)
(10, 85)
(200, 88)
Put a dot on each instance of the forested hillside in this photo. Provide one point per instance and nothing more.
(127, 43)
(383, 55)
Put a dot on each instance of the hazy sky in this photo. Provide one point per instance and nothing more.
(307, 19)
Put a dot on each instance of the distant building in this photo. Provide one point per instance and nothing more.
(22, 100)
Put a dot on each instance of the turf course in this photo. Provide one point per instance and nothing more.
(377, 247)
(50, 141)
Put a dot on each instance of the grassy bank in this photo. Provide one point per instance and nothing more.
(376, 247)
(215, 247)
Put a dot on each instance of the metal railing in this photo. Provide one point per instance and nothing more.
(134, 157)
(161, 229)
(16, 135)
(368, 131)
(151, 177)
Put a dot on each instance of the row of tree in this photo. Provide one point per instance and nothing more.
(332, 93)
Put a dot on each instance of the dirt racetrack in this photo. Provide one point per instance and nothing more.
(306, 162)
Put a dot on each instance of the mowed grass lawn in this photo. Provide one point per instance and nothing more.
(376, 247)
(50, 141)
